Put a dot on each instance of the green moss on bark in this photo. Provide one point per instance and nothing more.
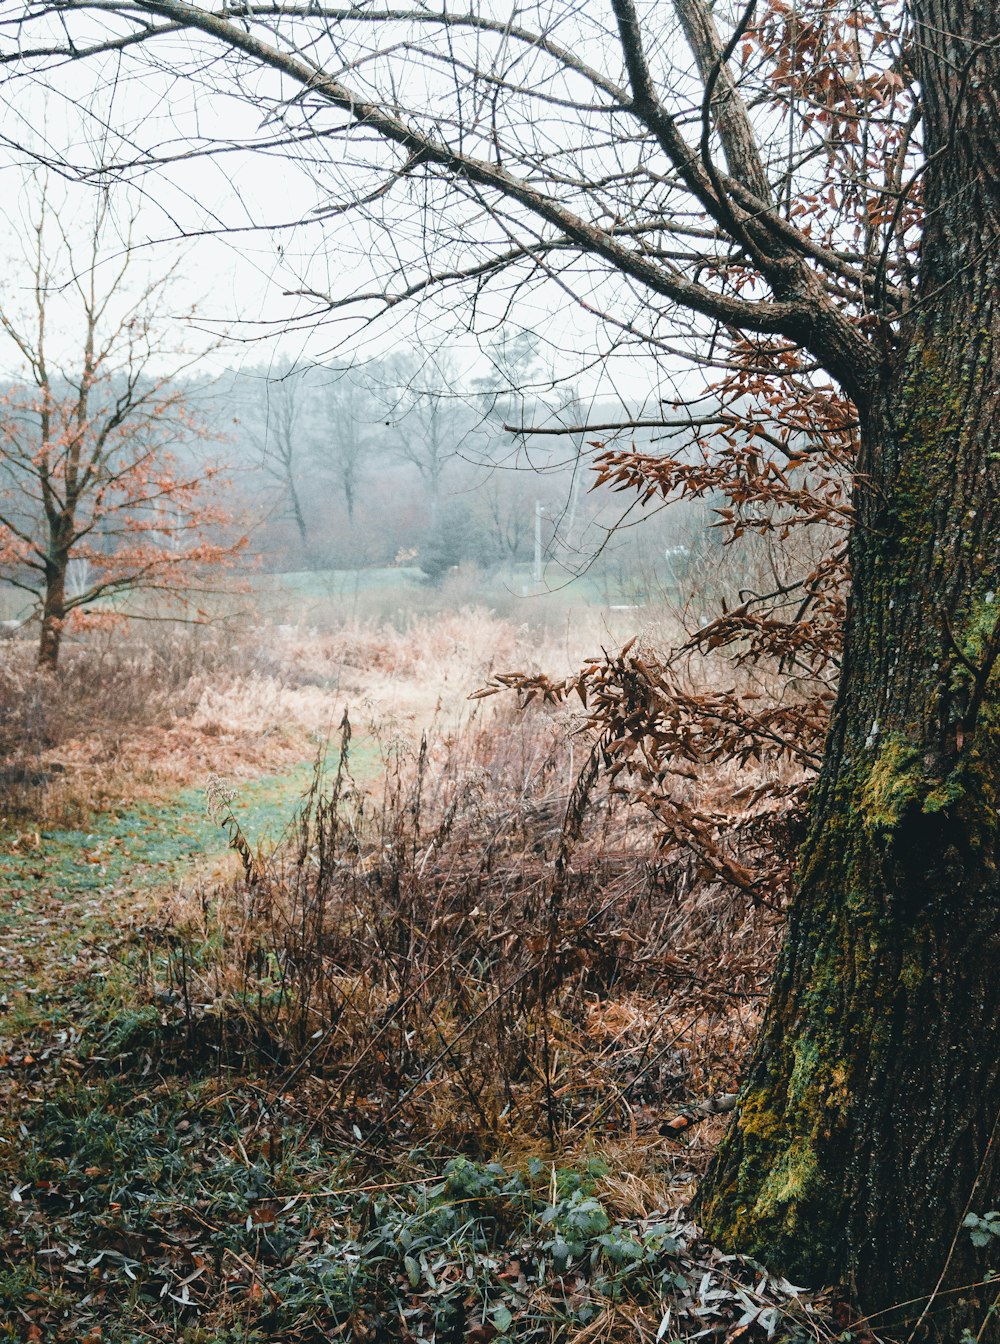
(894, 785)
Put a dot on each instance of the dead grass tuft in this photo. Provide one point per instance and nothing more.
(464, 958)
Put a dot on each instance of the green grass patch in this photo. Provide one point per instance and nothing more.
(511, 590)
(154, 844)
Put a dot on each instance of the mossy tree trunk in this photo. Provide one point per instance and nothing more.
(868, 1122)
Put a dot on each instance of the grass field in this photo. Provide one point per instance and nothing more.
(399, 594)
(404, 1078)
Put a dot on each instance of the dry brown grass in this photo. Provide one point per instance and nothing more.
(139, 711)
(473, 947)
(462, 959)
(63, 737)
(468, 950)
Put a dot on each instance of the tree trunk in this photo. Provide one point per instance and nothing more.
(53, 612)
(297, 513)
(869, 1122)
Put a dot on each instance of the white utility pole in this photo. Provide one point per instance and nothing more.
(539, 510)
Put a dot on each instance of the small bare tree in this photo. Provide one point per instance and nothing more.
(281, 438)
(425, 410)
(94, 502)
(343, 439)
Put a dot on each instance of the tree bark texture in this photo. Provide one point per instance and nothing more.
(53, 611)
(869, 1121)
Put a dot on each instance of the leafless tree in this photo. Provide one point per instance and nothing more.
(281, 437)
(344, 440)
(425, 409)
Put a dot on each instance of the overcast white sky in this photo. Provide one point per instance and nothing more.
(238, 280)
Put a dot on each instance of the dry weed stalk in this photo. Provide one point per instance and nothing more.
(491, 949)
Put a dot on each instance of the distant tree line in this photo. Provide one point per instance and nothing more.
(408, 460)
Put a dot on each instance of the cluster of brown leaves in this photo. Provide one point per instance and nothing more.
(842, 78)
(774, 458)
